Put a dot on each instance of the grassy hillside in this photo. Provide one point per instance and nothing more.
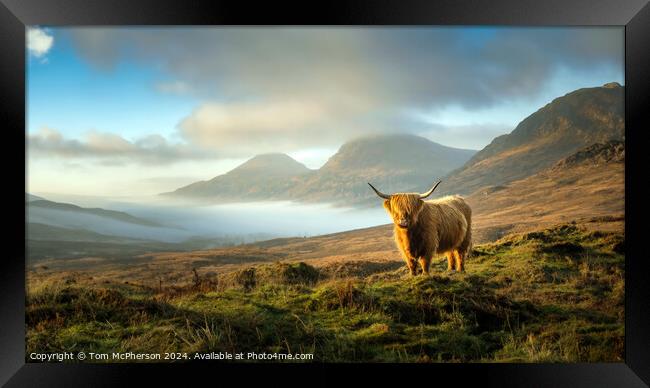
(554, 295)
(545, 283)
(587, 186)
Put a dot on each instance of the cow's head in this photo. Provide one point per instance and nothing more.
(404, 208)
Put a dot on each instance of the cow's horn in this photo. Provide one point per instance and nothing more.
(428, 193)
(379, 193)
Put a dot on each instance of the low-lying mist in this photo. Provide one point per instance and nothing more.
(184, 220)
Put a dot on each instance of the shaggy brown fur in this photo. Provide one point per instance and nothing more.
(424, 229)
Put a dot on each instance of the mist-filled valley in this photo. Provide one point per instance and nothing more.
(184, 225)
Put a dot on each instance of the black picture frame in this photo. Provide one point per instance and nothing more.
(633, 14)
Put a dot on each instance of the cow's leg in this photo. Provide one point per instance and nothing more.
(412, 265)
(460, 261)
(450, 261)
(411, 262)
(425, 263)
(465, 249)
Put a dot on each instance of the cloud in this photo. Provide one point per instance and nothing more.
(474, 136)
(287, 88)
(173, 87)
(39, 42)
(237, 128)
(410, 65)
(110, 149)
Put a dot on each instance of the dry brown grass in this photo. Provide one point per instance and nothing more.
(589, 194)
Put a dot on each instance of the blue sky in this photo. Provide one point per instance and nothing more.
(117, 111)
(67, 93)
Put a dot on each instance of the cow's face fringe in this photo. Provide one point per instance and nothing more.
(404, 209)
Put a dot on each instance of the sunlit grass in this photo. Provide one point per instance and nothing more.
(555, 295)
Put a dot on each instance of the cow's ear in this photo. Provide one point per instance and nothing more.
(387, 204)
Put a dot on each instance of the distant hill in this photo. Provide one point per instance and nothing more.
(43, 232)
(115, 215)
(31, 197)
(393, 162)
(49, 241)
(587, 186)
(262, 177)
(557, 130)
(99, 221)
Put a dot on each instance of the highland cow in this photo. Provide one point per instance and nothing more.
(424, 229)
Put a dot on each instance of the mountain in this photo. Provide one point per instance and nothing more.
(392, 163)
(587, 186)
(557, 130)
(262, 177)
(396, 153)
(402, 163)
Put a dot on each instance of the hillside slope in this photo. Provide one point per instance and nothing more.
(554, 295)
(557, 130)
(587, 186)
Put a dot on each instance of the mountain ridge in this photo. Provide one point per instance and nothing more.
(406, 162)
(558, 129)
(392, 159)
